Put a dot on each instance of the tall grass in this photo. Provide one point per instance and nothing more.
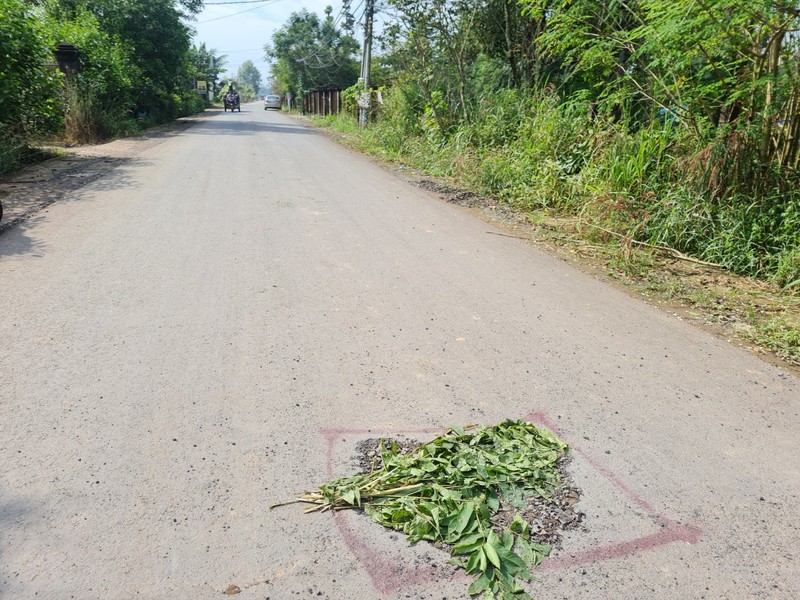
(85, 120)
(13, 151)
(88, 120)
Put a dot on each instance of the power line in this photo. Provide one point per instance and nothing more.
(261, 3)
(234, 2)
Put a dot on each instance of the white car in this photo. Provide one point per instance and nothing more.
(272, 102)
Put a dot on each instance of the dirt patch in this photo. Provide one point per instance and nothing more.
(469, 199)
(547, 517)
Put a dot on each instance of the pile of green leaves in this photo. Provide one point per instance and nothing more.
(447, 490)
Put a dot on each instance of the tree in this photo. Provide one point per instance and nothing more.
(435, 42)
(206, 65)
(27, 86)
(508, 34)
(249, 74)
(309, 54)
(156, 34)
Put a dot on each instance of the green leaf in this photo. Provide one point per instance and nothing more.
(476, 562)
(512, 564)
(481, 584)
(463, 518)
(543, 549)
(491, 554)
(507, 540)
(349, 496)
(520, 526)
(469, 543)
(525, 552)
(514, 494)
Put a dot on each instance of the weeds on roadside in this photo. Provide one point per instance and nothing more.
(779, 335)
(655, 187)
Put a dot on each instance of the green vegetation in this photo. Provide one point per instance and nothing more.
(447, 491)
(665, 127)
(673, 123)
(250, 75)
(312, 54)
(135, 70)
(24, 81)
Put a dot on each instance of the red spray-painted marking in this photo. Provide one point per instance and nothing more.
(671, 531)
(386, 576)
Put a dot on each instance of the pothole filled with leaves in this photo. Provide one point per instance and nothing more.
(496, 497)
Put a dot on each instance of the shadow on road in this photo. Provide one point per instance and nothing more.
(11, 513)
(236, 127)
(32, 195)
(15, 241)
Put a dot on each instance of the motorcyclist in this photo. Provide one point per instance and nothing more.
(232, 94)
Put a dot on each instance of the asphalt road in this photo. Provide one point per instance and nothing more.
(211, 327)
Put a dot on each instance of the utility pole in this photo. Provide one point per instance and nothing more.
(364, 100)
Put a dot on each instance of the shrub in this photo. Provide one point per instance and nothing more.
(28, 88)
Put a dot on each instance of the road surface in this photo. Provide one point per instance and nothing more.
(212, 326)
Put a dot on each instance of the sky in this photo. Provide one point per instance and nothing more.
(240, 30)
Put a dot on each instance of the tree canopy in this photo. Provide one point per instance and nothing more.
(249, 74)
(136, 65)
(25, 51)
(312, 54)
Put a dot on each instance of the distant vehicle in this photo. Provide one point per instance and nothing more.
(272, 101)
(231, 101)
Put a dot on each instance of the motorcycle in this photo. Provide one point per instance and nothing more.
(231, 100)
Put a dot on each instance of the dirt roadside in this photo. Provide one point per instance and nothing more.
(28, 191)
(745, 312)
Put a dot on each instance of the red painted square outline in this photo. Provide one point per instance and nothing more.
(386, 576)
